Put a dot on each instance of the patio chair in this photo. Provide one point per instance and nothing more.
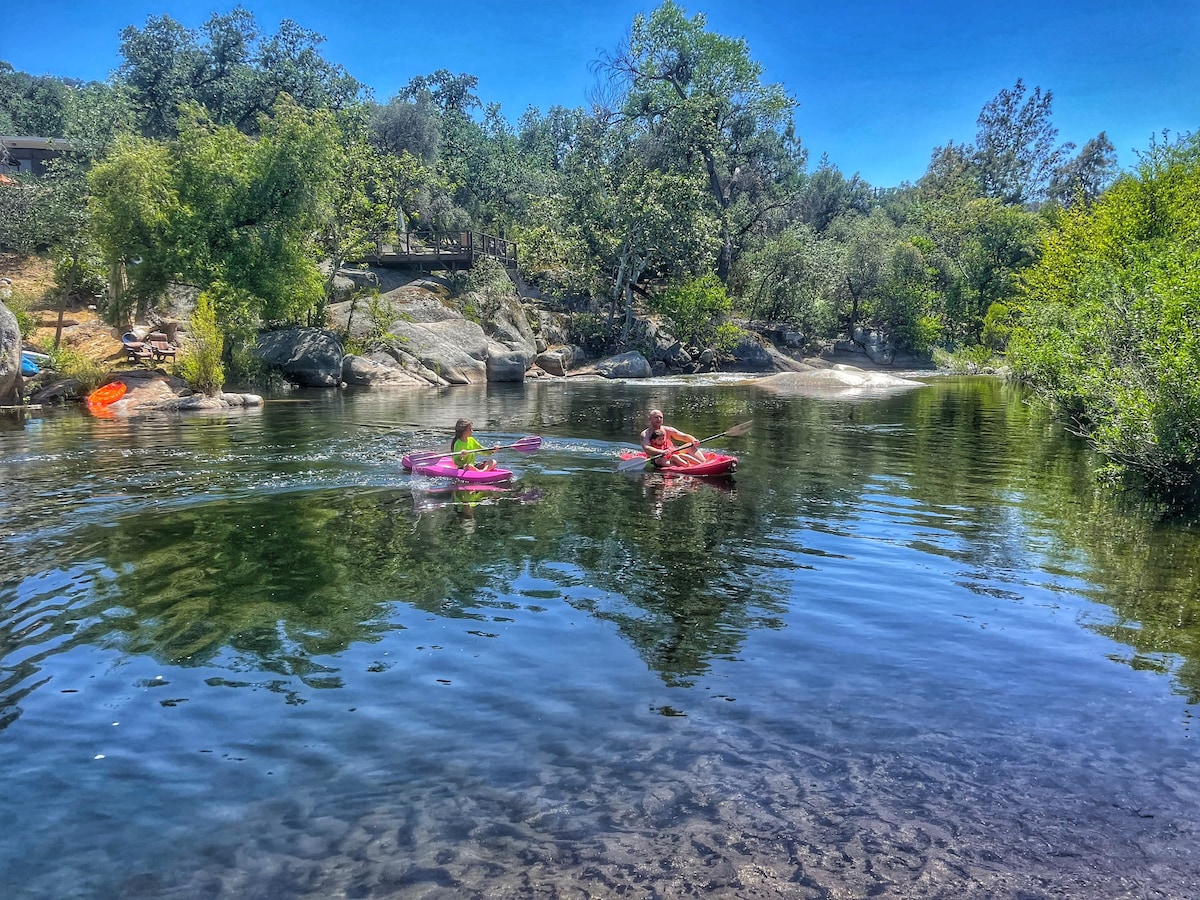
(160, 346)
(135, 350)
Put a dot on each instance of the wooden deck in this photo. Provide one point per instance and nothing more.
(429, 251)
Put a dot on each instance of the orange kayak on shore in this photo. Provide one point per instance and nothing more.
(106, 394)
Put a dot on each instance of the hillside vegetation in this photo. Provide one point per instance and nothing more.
(240, 163)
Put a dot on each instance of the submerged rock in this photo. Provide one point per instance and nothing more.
(838, 380)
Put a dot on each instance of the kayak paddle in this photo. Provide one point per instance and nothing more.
(638, 462)
(524, 445)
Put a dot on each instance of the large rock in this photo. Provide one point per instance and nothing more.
(552, 327)
(624, 365)
(11, 382)
(420, 301)
(750, 354)
(57, 391)
(311, 357)
(378, 372)
(508, 366)
(559, 360)
(455, 349)
(510, 326)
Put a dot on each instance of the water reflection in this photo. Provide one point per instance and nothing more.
(908, 650)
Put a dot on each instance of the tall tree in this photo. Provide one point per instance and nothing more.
(407, 126)
(827, 194)
(230, 68)
(1085, 177)
(794, 278)
(1016, 151)
(31, 104)
(133, 198)
(368, 193)
(700, 103)
(218, 206)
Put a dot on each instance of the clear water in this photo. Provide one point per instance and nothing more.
(908, 651)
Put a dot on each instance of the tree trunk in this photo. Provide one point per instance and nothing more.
(66, 298)
(635, 272)
(618, 285)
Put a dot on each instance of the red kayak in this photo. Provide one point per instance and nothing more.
(714, 464)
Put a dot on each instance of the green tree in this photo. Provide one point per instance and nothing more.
(866, 242)
(31, 104)
(161, 62)
(794, 279)
(695, 309)
(407, 126)
(655, 222)
(1001, 242)
(367, 192)
(23, 226)
(1085, 177)
(1016, 152)
(827, 194)
(1109, 327)
(220, 206)
(93, 116)
(701, 107)
(229, 68)
(134, 198)
(249, 211)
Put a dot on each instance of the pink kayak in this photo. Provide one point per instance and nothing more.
(714, 464)
(445, 468)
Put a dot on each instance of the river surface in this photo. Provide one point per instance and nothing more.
(908, 650)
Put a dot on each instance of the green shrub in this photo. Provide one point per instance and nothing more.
(919, 335)
(201, 365)
(20, 303)
(997, 326)
(727, 336)
(70, 363)
(967, 360)
(488, 282)
(695, 309)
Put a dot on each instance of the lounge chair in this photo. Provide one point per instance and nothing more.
(160, 346)
(136, 350)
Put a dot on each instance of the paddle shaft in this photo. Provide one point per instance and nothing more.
(527, 444)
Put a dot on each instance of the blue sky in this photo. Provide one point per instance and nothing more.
(880, 84)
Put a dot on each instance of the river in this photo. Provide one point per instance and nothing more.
(909, 649)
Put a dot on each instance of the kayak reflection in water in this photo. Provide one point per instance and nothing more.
(658, 442)
(464, 447)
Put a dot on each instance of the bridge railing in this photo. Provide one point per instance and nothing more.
(457, 246)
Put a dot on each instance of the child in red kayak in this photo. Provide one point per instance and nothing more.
(658, 442)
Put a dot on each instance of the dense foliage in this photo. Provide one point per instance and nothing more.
(1110, 326)
(248, 166)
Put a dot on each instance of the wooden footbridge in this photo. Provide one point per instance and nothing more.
(427, 251)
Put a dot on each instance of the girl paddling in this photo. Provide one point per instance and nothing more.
(464, 447)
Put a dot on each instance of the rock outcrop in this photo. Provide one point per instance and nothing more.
(11, 382)
(310, 357)
(625, 365)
